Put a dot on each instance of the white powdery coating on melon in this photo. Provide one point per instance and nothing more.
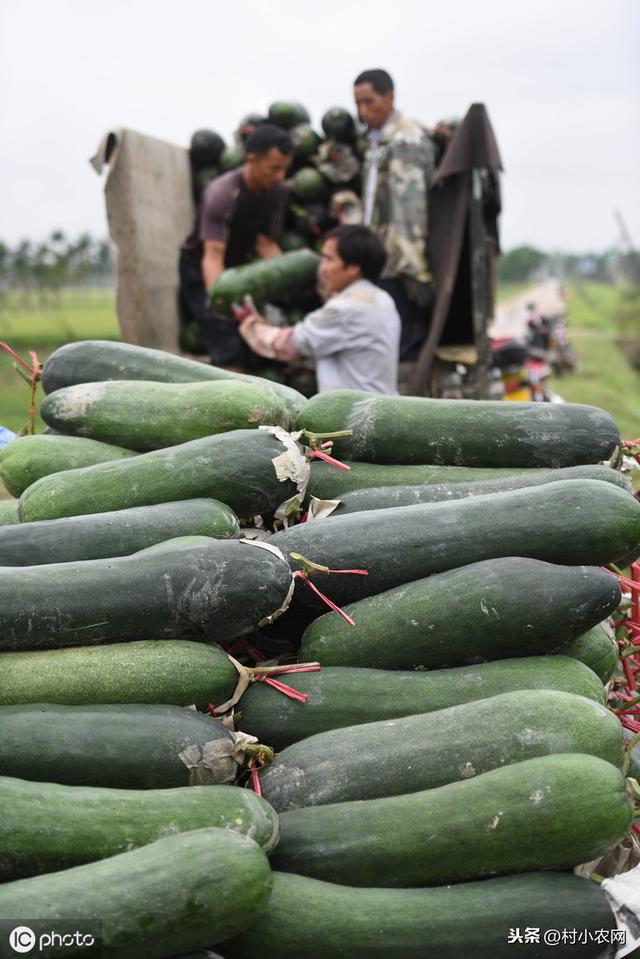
(78, 400)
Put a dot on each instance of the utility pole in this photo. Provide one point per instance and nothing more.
(627, 258)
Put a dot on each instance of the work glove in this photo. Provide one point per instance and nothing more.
(246, 309)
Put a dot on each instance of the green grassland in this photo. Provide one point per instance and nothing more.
(604, 378)
(26, 324)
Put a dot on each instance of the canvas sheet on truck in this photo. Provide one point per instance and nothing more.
(149, 212)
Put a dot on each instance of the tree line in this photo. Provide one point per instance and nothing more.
(526, 263)
(60, 261)
(57, 262)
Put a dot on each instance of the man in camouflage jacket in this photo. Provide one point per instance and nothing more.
(397, 173)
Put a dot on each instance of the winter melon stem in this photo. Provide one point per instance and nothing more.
(308, 566)
(262, 754)
(316, 438)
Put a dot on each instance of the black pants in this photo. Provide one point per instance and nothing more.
(219, 334)
(414, 317)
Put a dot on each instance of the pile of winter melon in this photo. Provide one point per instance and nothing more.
(305, 678)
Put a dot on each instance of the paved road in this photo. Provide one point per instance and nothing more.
(511, 315)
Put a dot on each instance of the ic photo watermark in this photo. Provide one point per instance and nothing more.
(24, 941)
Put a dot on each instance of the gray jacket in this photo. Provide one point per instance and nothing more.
(354, 340)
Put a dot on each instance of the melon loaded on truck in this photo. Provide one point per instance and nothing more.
(152, 189)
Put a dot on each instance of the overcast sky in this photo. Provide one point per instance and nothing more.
(560, 78)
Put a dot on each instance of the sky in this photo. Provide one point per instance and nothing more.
(560, 80)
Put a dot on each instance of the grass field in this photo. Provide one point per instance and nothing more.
(604, 378)
(80, 315)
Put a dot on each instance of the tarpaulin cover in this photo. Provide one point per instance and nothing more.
(149, 212)
(474, 147)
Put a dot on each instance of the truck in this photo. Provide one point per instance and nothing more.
(150, 209)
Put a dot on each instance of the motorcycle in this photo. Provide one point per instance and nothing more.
(548, 341)
(515, 375)
(523, 375)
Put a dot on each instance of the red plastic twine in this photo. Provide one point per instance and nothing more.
(325, 599)
(282, 687)
(245, 647)
(35, 374)
(635, 591)
(255, 778)
(632, 447)
(319, 455)
(32, 370)
(633, 585)
(302, 576)
(628, 624)
(255, 653)
(316, 453)
(629, 711)
(631, 679)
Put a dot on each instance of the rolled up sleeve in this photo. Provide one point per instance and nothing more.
(216, 215)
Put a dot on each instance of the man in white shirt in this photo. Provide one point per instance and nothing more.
(354, 338)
